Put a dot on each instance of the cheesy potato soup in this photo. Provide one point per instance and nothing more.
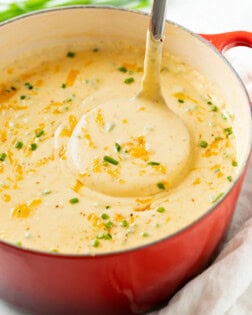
(86, 168)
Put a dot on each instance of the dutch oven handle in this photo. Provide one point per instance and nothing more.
(228, 40)
(224, 41)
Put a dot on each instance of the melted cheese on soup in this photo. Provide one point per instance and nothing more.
(77, 177)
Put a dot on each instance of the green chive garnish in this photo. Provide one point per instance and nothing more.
(39, 133)
(105, 216)
(152, 163)
(124, 223)
(63, 85)
(214, 108)
(218, 197)
(74, 201)
(118, 147)
(34, 146)
(3, 156)
(28, 85)
(107, 207)
(96, 49)
(181, 101)
(161, 185)
(224, 116)
(22, 97)
(234, 163)
(129, 80)
(46, 192)
(209, 103)
(110, 160)
(122, 69)
(228, 131)
(203, 144)
(104, 236)
(109, 225)
(95, 243)
(70, 54)
(19, 145)
(144, 234)
(19, 244)
(230, 178)
(161, 209)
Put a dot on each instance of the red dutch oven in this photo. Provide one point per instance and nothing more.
(136, 280)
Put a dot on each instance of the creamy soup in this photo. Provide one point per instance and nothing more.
(81, 168)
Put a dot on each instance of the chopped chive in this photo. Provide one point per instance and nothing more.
(228, 131)
(122, 69)
(152, 163)
(74, 201)
(54, 250)
(70, 54)
(109, 126)
(22, 97)
(104, 236)
(161, 185)
(63, 85)
(214, 108)
(118, 147)
(218, 197)
(109, 225)
(107, 207)
(33, 146)
(20, 244)
(144, 234)
(96, 49)
(40, 133)
(181, 101)
(230, 178)
(234, 163)
(209, 103)
(224, 116)
(110, 160)
(203, 144)
(19, 145)
(105, 216)
(3, 156)
(28, 85)
(160, 209)
(124, 223)
(129, 80)
(46, 192)
(95, 243)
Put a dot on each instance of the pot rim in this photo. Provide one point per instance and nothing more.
(198, 219)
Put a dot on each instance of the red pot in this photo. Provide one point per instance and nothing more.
(137, 280)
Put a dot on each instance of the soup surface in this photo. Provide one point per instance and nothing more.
(78, 177)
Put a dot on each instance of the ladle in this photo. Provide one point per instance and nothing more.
(148, 151)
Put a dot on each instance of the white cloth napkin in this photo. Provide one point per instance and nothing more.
(225, 288)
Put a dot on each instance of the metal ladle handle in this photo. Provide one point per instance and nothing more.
(151, 86)
(158, 14)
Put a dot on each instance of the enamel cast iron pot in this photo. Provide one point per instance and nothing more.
(138, 280)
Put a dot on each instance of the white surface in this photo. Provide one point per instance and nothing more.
(226, 287)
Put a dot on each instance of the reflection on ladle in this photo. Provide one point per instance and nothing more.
(147, 156)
